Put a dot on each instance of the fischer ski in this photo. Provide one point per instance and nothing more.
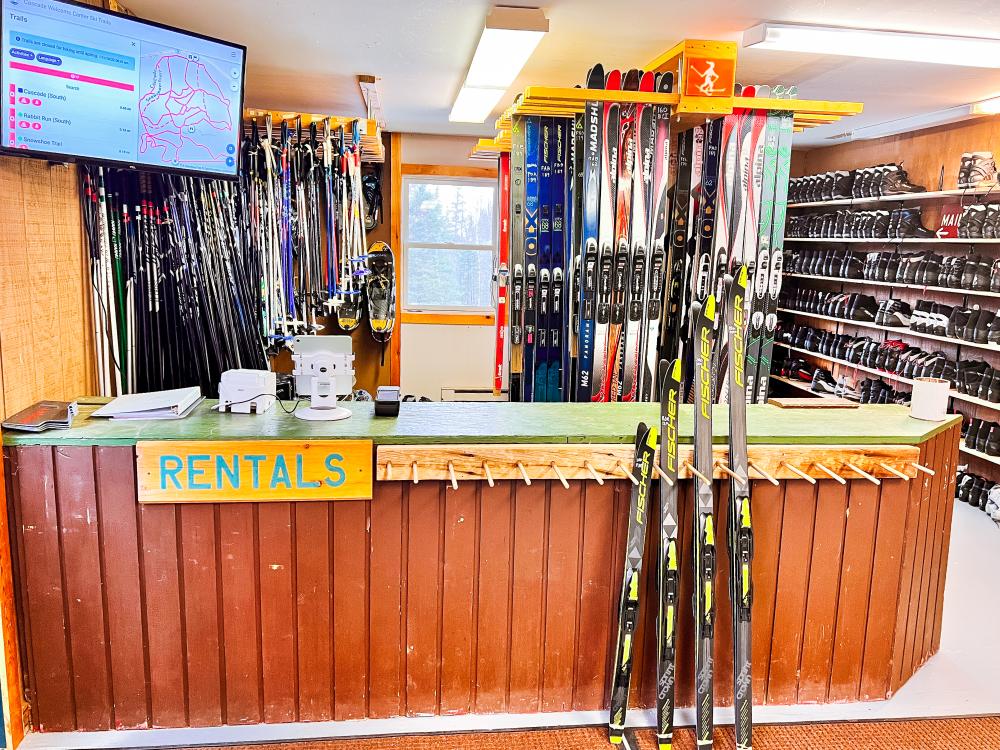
(628, 610)
(740, 531)
(703, 553)
(668, 570)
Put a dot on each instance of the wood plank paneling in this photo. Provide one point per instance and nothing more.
(240, 615)
(204, 655)
(428, 600)
(387, 601)
(423, 608)
(528, 615)
(855, 590)
(81, 560)
(562, 584)
(313, 605)
(164, 608)
(350, 608)
(948, 496)
(55, 708)
(278, 612)
(458, 610)
(594, 595)
(494, 600)
(768, 503)
(944, 500)
(116, 505)
(792, 587)
(824, 593)
(886, 573)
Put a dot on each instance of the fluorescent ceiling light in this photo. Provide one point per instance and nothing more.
(508, 40)
(924, 120)
(474, 104)
(986, 107)
(972, 52)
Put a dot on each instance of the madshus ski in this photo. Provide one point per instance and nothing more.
(601, 377)
(739, 527)
(517, 194)
(783, 165)
(668, 570)
(593, 139)
(703, 552)
(628, 611)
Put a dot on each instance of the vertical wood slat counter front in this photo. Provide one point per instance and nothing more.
(429, 600)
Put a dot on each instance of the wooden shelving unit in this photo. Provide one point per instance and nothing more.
(978, 454)
(888, 241)
(372, 148)
(930, 195)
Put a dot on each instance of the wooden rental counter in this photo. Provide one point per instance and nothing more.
(140, 608)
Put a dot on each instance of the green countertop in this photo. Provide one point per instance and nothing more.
(438, 423)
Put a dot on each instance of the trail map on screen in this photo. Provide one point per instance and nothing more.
(82, 83)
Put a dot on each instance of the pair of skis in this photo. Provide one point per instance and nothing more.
(704, 552)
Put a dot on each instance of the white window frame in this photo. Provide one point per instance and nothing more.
(405, 241)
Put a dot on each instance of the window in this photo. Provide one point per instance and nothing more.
(449, 243)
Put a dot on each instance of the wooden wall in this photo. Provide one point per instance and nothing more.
(426, 600)
(45, 333)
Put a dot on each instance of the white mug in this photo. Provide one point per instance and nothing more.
(930, 399)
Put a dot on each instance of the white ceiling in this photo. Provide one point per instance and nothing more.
(304, 55)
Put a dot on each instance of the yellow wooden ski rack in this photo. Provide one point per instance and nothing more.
(690, 105)
(372, 149)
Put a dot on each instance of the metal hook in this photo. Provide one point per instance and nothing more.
(830, 472)
(690, 467)
(724, 468)
(524, 473)
(663, 475)
(388, 471)
(593, 472)
(921, 467)
(763, 473)
(797, 471)
(451, 473)
(560, 475)
(489, 474)
(416, 476)
(894, 471)
(622, 468)
(862, 472)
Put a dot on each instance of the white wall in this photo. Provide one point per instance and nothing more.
(433, 357)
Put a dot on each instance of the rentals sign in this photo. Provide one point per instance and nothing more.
(208, 471)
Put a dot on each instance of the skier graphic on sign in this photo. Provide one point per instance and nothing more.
(708, 78)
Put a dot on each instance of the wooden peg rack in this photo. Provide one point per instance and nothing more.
(469, 462)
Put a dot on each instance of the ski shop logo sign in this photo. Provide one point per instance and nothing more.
(213, 471)
(704, 76)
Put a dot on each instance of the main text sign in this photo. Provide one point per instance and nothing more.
(252, 471)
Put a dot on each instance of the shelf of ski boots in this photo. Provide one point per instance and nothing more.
(820, 382)
(975, 382)
(978, 491)
(368, 131)
(889, 183)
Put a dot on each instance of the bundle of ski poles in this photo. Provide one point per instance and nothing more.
(612, 228)
(191, 277)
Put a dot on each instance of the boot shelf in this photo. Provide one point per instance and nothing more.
(887, 375)
(978, 454)
(892, 284)
(888, 241)
(891, 329)
(930, 195)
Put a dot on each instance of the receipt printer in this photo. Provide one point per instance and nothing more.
(247, 391)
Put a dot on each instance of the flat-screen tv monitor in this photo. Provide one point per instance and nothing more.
(81, 83)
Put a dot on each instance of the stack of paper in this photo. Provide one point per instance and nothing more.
(45, 415)
(175, 404)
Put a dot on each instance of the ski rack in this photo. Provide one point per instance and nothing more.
(372, 148)
(565, 461)
(690, 105)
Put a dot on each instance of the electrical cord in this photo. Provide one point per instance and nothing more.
(280, 403)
